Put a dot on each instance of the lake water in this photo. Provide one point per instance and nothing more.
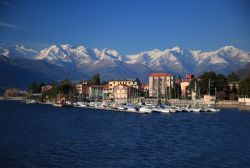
(45, 136)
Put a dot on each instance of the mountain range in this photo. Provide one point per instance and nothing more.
(58, 62)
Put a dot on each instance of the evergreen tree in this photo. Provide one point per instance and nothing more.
(34, 88)
(244, 87)
(232, 77)
(96, 79)
(138, 81)
(65, 86)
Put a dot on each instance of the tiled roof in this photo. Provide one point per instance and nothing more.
(122, 85)
(160, 74)
(106, 87)
(119, 80)
(97, 86)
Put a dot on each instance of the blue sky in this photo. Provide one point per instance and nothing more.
(129, 26)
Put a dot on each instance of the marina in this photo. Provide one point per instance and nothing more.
(137, 108)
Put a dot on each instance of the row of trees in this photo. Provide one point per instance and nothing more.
(219, 83)
(244, 87)
(63, 88)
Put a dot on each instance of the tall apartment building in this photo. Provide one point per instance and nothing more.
(160, 84)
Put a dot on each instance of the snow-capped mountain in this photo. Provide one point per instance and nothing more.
(113, 65)
(108, 62)
(223, 60)
(18, 51)
(177, 60)
(68, 55)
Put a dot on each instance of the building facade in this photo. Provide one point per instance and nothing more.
(96, 92)
(160, 84)
(184, 88)
(46, 88)
(124, 93)
(114, 83)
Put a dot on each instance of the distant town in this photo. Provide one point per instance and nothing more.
(162, 88)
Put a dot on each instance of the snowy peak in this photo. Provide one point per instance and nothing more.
(175, 60)
(175, 49)
(79, 55)
(18, 51)
(229, 47)
(55, 55)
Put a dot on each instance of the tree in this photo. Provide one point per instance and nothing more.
(216, 81)
(234, 89)
(34, 88)
(138, 81)
(104, 83)
(191, 85)
(96, 79)
(65, 86)
(244, 86)
(232, 77)
(221, 83)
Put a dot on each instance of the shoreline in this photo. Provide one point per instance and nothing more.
(234, 104)
(13, 98)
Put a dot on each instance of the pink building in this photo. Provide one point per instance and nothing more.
(184, 87)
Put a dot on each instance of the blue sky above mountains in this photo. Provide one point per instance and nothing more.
(127, 26)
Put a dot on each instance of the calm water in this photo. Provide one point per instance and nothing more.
(44, 136)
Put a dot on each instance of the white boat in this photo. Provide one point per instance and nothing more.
(178, 109)
(205, 109)
(164, 110)
(121, 108)
(145, 109)
(212, 109)
(196, 110)
(57, 104)
(187, 109)
(171, 109)
(82, 104)
(155, 109)
(131, 109)
(28, 101)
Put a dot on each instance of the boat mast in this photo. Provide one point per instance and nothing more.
(209, 87)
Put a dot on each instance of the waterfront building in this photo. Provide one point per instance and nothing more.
(208, 99)
(184, 85)
(160, 84)
(144, 87)
(79, 88)
(13, 92)
(124, 93)
(46, 88)
(106, 92)
(189, 77)
(114, 83)
(184, 88)
(233, 84)
(96, 92)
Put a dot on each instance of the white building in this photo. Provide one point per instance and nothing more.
(160, 84)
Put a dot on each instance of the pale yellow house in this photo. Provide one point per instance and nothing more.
(114, 83)
(123, 93)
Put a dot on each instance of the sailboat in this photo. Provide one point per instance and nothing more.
(195, 108)
(211, 108)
